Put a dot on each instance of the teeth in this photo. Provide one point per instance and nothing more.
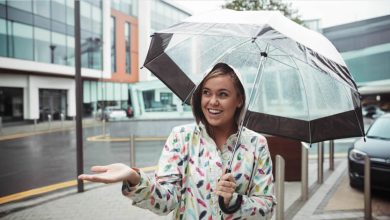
(214, 111)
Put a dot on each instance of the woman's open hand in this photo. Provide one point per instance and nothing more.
(111, 173)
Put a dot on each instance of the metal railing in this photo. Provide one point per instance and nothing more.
(367, 188)
(331, 155)
(320, 160)
(279, 186)
(305, 172)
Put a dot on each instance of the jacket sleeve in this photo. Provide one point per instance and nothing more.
(260, 200)
(161, 194)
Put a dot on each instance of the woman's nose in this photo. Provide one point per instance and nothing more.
(214, 100)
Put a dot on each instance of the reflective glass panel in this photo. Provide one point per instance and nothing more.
(3, 38)
(42, 8)
(128, 46)
(42, 47)
(58, 10)
(59, 48)
(25, 5)
(22, 41)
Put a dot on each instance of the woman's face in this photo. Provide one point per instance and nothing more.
(219, 101)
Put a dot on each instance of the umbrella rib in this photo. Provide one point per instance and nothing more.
(307, 102)
(258, 75)
(281, 62)
(270, 57)
(357, 117)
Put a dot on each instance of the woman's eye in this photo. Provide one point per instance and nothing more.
(205, 92)
(223, 94)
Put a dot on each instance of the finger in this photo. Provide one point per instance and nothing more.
(95, 178)
(99, 169)
(228, 177)
(225, 195)
(225, 189)
(227, 183)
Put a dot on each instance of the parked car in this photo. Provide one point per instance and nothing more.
(377, 147)
(112, 113)
(372, 111)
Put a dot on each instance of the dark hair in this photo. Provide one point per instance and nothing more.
(220, 69)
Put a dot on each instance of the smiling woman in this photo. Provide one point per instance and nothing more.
(214, 169)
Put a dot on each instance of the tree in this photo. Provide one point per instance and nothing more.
(270, 5)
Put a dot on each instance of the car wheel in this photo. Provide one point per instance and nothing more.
(354, 184)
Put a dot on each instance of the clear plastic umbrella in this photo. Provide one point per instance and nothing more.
(297, 83)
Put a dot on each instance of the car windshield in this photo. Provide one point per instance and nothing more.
(380, 129)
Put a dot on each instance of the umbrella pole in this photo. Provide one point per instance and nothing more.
(251, 97)
(229, 169)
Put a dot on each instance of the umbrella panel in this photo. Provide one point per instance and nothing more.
(289, 89)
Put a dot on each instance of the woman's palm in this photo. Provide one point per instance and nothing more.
(108, 174)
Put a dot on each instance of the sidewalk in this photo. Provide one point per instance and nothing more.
(101, 201)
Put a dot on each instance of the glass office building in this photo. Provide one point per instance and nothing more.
(365, 47)
(37, 55)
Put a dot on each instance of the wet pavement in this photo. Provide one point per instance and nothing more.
(334, 199)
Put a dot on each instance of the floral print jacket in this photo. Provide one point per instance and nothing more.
(189, 168)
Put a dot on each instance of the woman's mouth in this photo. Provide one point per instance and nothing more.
(214, 111)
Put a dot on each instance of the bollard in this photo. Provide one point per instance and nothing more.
(132, 151)
(331, 155)
(35, 124)
(104, 127)
(320, 160)
(305, 172)
(62, 120)
(279, 173)
(367, 188)
(49, 119)
(1, 125)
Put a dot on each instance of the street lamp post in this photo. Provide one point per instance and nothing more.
(79, 93)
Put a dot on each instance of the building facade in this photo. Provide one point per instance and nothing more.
(365, 47)
(37, 55)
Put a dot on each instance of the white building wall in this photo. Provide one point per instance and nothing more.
(106, 39)
(52, 69)
(31, 85)
(144, 22)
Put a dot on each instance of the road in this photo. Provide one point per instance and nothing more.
(45, 159)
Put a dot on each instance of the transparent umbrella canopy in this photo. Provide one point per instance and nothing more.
(298, 85)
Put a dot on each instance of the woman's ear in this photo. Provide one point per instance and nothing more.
(240, 103)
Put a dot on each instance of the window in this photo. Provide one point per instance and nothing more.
(128, 46)
(42, 51)
(70, 51)
(42, 8)
(58, 10)
(58, 48)
(113, 45)
(22, 5)
(21, 40)
(3, 38)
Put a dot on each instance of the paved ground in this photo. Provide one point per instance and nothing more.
(333, 199)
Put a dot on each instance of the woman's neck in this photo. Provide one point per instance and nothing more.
(220, 135)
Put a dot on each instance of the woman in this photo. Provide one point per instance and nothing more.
(192, 175)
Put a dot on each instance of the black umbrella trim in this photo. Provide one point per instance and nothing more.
(164, 68)
(333, 127)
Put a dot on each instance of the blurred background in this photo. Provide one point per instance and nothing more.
(127, 112)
